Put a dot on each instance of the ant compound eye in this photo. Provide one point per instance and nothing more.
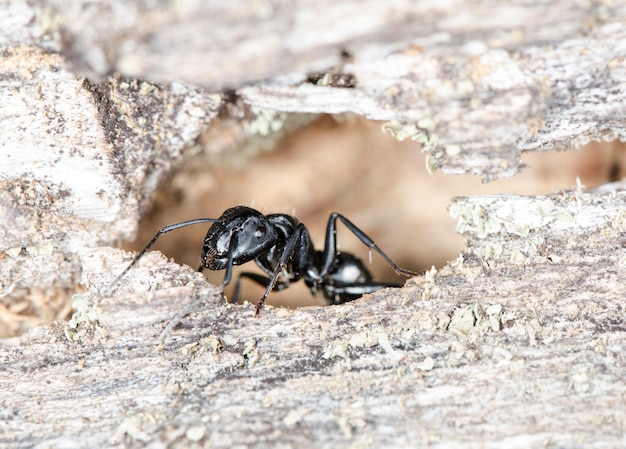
(260, 232)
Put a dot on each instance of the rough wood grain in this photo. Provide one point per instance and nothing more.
(519, 343)
(79, 159)
(475, 84)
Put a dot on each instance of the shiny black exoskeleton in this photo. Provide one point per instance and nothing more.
(282, 248)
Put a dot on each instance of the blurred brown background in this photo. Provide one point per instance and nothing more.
(348, 165)
(336, 163)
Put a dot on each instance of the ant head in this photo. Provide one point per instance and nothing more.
(241, 233)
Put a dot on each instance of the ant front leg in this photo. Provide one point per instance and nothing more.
(299, 237)
(259, 279)
(330, 245)
(234, 241)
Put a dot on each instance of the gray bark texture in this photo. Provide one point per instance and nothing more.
(519, 342)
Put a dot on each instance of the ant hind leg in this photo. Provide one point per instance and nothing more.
(330, 246)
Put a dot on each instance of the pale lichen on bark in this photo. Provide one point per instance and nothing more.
(455, 346)
(519, 341)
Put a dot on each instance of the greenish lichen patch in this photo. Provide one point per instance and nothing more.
(417, 132)
(402, 131)
(251, 353)
(513, 215)
(266, 121)
(42, 249)
(473, 219)
(13, 252)
(85, 319)
(462, 320)
(619, 223)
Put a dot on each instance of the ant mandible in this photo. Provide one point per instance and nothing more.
(282, 248)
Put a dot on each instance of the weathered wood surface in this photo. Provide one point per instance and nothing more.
(520, 342)
(519, 84)
(78, 160)
(475, 84)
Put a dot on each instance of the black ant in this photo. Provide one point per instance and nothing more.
(282, 248)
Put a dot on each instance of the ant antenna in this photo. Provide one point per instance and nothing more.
(161, 231)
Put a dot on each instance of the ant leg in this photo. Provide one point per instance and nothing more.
(330, 245)
(290, 247)
(234, 241)
(339, 294)
(161, 231)
(259, 279)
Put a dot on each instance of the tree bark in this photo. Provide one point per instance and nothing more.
(476, 87)
(519, 342)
